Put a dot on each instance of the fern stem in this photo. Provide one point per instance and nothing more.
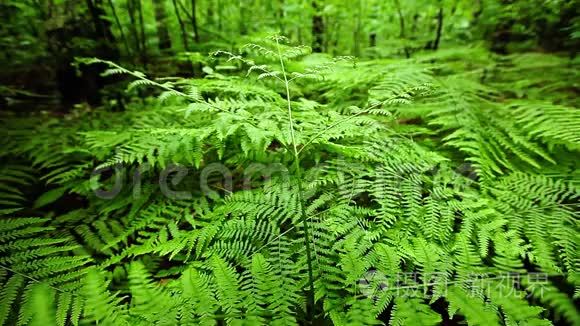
(286, 84)
(298, 171)
(30, 278)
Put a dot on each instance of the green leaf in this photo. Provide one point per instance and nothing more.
(49, 197)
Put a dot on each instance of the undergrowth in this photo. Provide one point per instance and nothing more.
(304, 190)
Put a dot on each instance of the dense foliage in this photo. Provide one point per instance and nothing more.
(419, 168)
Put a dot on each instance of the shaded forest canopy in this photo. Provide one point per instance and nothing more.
(289, 162)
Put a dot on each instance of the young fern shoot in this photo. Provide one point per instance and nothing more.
(269, 73)
(298, 172)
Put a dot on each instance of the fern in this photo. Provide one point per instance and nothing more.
(408, 192)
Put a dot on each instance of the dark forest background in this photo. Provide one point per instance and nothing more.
(40, 39)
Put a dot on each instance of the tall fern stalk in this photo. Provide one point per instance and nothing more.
(298, 171)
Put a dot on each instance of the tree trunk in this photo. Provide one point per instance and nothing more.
(414, 26)
(373, 39)
(357, 31)
(281, 17)
(131, 8)
(402, 32)
(439, 29)
(181, 26)
(75, 88)
(477, 13)
(219, 16)
(242, 22)
(434, 44)
(317, 29)
(120, 26)
(401, 20)
(102, 27)
(161, 19)
(142, 30)
(194, 21)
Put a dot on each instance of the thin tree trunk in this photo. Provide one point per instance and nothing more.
(40, 7)
(194, 21)
(69, 7)
(207, 31)
(219, 14)
(160, 22)
(329, 35)
(402, 32)
(317, 29)
(50, 8)
(439, 29)
(131, 8)
(281, 15)
(209, 15)
(401, 20)
(357, 31)
(478, 12)
(127, 48)
(101, 27)
(143, 39)
(414, 26)
(335, 37)
(106, 45)
(181, 26)
(242, 22)
(376, 10)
